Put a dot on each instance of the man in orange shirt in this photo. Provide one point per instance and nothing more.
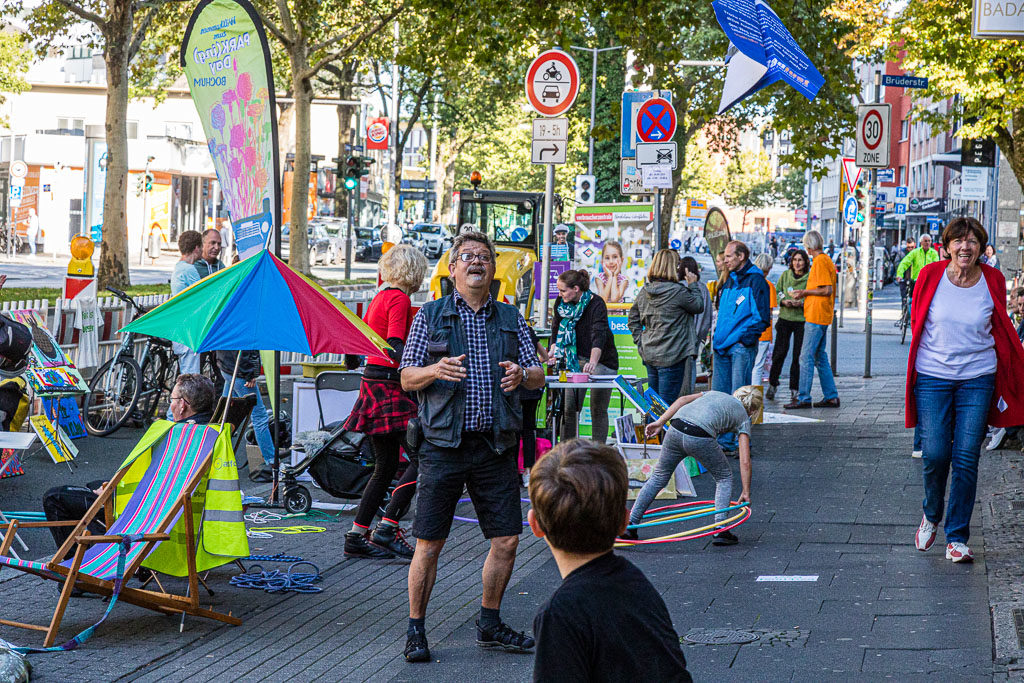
(819, 299)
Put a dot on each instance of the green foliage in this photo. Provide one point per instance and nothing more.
(14, 62)
(932, 38)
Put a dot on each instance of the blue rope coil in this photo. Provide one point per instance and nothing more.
(277, 581)
(279, 557)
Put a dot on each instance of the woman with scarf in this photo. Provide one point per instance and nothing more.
(584, 339)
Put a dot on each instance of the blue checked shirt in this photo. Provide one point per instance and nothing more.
(478, 362)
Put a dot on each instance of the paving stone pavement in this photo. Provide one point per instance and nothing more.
(837, 499)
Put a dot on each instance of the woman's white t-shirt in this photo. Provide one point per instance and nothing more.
(957, 341)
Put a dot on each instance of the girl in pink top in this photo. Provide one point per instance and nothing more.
(610, 283)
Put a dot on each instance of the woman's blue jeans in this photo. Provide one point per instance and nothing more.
(952, 416)
(666, 381)
(260, 418)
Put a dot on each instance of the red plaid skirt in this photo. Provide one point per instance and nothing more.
(382, 407)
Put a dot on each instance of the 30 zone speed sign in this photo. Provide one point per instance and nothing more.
(873, 135)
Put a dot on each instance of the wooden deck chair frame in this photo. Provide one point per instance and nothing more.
(80, 539)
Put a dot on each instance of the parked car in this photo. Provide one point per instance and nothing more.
(432, 238)
(368, 244)
(335, 230)
(318, 241)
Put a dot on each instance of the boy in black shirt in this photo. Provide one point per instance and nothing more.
(606, 622)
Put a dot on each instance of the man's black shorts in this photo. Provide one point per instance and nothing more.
(492, 481)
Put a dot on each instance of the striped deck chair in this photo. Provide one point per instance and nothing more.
(179, 461)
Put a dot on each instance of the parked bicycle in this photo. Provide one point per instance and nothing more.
(126, 388)
(10, 240)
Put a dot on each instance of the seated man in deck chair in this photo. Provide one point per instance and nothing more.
(192, 399)
(173, 505)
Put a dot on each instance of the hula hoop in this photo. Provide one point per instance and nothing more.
(705, 508)
(471, 520)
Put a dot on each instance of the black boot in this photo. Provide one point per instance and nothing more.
(356, 545)
(391, 538)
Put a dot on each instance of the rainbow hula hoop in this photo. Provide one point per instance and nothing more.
(669, 514)
(692, 510)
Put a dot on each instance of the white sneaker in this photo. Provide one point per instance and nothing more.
(959, 552)
(916, 454)
(996, 439)
(925, 535)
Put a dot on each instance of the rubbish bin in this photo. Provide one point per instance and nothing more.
(154, 244)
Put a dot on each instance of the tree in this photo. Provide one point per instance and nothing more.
(932, 38)
(663, 35)
(14, 62)
(118, 28)
(314, 35)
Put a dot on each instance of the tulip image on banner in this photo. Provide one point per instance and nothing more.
(227, 63)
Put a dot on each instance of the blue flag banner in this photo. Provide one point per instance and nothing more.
(762, 52)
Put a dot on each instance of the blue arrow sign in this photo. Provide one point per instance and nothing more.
(890, 81)
(850, 210)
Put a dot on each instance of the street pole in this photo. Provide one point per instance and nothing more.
(593, 96)
(657, 219)
(142, 232)
(549, 200)
(393, 151)
(348, 236)
(867, 271)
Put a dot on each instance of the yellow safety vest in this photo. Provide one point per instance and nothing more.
(216, 507)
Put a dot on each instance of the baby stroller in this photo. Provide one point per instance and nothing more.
(341, 466)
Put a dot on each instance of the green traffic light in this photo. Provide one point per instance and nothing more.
(351, 183)
(860, 217)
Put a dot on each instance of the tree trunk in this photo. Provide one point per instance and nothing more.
(298, 245)
(113, 268)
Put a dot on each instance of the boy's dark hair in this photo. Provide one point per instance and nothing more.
(189, 241)
(578, 492)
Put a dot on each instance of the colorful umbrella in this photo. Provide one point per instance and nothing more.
(260, 304)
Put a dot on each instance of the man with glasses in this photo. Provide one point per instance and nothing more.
(465, 356)
(191, 401)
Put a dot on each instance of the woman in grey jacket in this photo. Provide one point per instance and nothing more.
(662, 323)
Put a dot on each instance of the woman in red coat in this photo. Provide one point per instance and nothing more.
(383, 410)
(966, 370)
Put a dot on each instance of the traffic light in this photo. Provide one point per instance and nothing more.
(140, 185)
(585, 189)
(355, 168)
(352, 172)
(149, 182)
(862, 202)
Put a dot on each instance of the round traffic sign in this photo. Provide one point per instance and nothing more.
(656, 120)
(19, 169)
(850, 210)
(871, 129)
(552, 83)
(376, 132)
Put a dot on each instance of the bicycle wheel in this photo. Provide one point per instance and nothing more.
(904, 324)
(157, 371)
(113, 395)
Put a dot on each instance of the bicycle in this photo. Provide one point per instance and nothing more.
(10, 240)
(905, 300)
(125, 388)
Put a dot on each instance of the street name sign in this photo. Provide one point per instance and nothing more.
(656, 153)
(630, 180)
(552, 83)
(892, 81)
(656, 120)
(873, 122)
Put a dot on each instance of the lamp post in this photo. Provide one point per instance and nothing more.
(593, 95)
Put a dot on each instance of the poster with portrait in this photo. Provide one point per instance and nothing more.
(614, 243)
